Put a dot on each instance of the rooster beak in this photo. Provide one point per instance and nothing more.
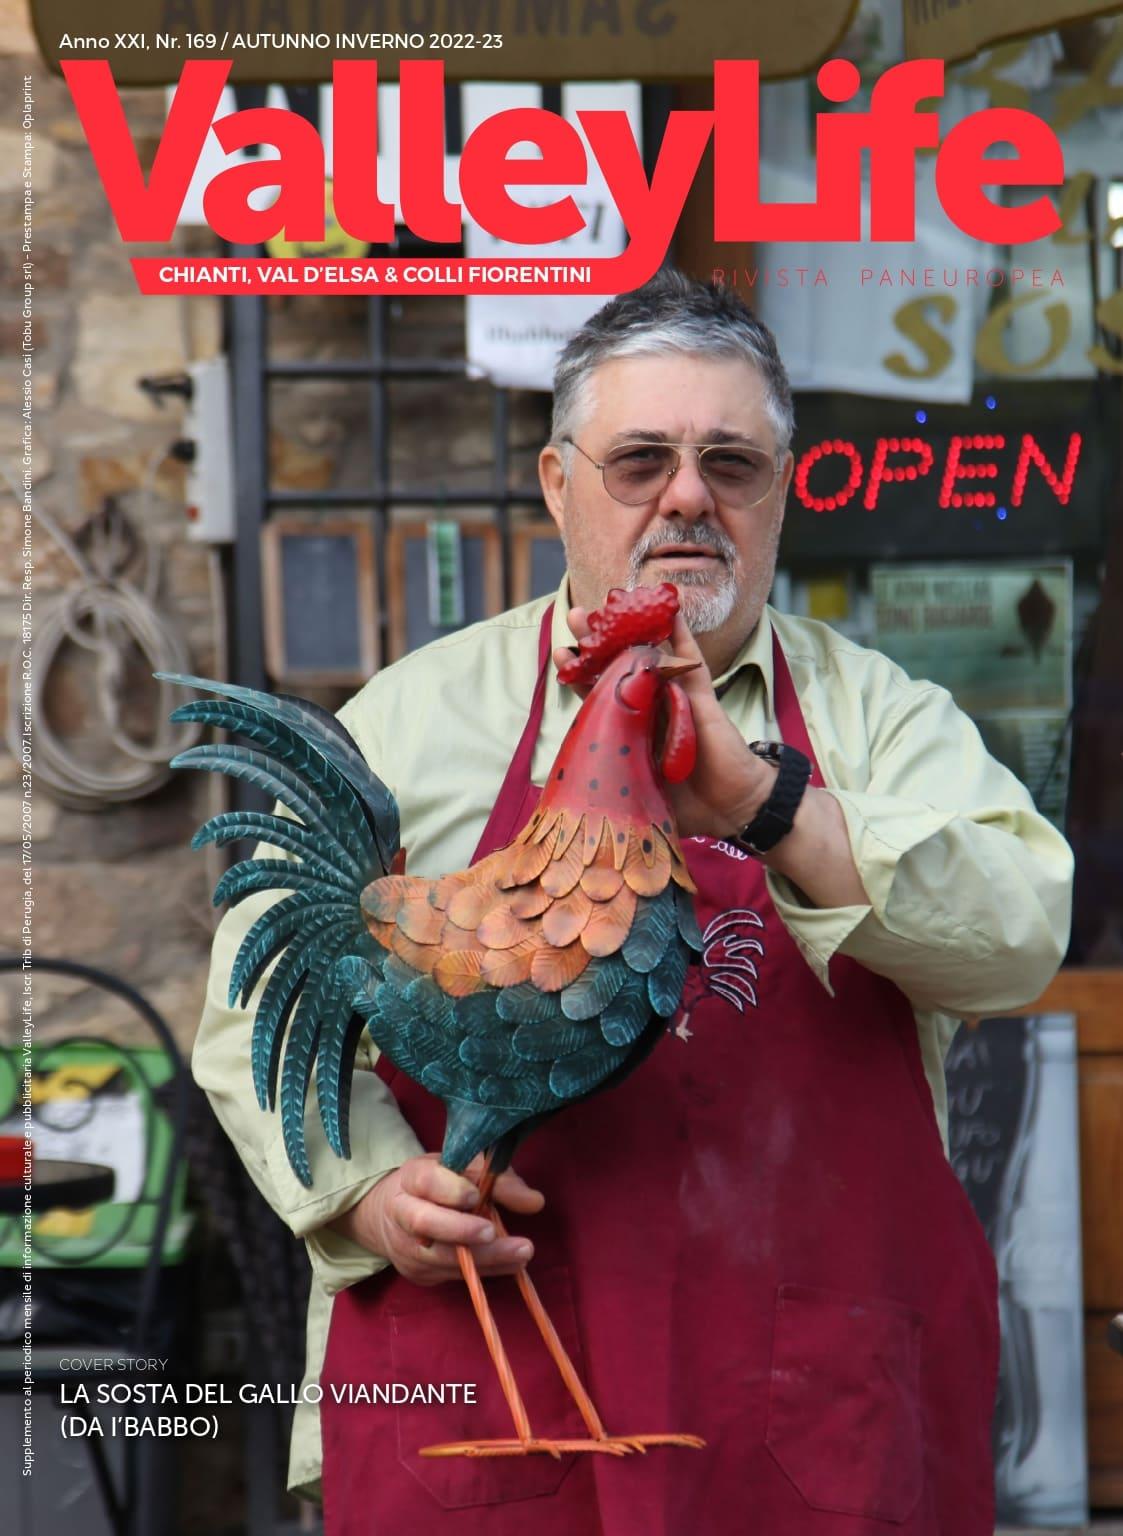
(672, 666)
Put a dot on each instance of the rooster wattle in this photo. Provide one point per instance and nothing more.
(540, 975)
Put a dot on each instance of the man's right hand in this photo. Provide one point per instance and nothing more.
(417, 1214)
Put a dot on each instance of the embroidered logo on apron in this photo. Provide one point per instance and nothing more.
(727, 968)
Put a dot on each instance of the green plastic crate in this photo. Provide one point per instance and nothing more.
(88, 1092)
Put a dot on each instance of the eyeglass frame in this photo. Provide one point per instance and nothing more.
(700, 449)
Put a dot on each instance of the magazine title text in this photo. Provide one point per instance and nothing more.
(892, 131)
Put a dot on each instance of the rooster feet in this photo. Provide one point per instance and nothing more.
(610, 1445)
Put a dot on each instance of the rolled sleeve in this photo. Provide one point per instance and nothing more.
(380, 1138)
(381, 1141)
(969, 886)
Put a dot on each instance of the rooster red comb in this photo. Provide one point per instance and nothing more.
(643, 616)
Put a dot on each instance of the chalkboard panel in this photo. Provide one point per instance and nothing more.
(1012, 1139)
(537, 561)
(320, 603)
(408, 582)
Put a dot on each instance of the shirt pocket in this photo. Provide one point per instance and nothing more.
(435, 1338)
(844, 1419)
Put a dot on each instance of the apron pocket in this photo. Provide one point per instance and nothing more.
(844, 1402)
(435, 1338)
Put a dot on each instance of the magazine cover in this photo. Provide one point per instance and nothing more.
(561, 586)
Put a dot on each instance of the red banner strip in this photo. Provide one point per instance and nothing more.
(460, 274)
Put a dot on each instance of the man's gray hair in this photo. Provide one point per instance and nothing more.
(671, 313)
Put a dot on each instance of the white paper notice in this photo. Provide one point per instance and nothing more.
(109, 1130)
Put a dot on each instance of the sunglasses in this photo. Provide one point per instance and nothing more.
(739, 475)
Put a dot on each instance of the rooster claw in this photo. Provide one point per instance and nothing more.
(640, 1443)
(610, 1445)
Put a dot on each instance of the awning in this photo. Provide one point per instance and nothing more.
(957, 29)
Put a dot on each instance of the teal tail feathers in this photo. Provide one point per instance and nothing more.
(346, 835)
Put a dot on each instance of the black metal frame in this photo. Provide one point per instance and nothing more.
(253, 372)
(252, 375)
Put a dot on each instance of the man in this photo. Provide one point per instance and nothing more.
(758, 1236)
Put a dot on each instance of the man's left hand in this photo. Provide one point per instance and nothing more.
(729, 783)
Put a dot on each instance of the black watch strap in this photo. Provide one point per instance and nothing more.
(776, 816)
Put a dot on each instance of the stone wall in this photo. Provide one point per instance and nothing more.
(117, 888)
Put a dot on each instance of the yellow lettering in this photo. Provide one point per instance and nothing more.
(911, 320)
(990, 350)
(1003, 93)
(1074, 202)
(1109, 315)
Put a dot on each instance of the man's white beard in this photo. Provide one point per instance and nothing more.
(703, 610)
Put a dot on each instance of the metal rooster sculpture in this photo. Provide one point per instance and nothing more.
(536, 977)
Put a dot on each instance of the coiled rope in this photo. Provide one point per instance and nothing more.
(110, 616)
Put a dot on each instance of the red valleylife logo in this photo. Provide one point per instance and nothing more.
(890, 132)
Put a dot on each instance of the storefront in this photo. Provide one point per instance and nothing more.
(338, 480)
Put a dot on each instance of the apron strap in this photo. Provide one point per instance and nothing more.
(502, 824)
(789, 716)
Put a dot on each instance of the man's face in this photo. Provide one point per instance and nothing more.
(722, 559)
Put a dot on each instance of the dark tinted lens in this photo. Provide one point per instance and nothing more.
(742, 476)
(638, 471)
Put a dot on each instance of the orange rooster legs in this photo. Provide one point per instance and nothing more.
(525, 1443)
(552, 1342)
(494, 1342)
(568, 1370)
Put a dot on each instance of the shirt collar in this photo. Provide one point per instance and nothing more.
(754, 656)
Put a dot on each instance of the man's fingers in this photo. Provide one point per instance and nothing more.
(562, 654)
(516, 1194)
(433, 1262)
(505, 1256)
(430, 1223)
(578, 621)
(511, 1189)
(425, 1178)
(685, 647)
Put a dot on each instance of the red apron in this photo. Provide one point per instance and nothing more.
(756, 1238)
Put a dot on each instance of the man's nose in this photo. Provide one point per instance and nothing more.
(687, 493)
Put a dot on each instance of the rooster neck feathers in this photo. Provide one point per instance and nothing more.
(510, 989)
(606, 765)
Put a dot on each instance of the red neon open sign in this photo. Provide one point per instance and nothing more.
(896, 459)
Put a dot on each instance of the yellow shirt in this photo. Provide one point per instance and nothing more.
(969, 888)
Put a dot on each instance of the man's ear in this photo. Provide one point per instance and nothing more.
(551, 477)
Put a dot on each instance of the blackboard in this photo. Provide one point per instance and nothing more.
(408, 585)
(986, 1077)
(319, 600)
(1012, 1136)
(537, 561)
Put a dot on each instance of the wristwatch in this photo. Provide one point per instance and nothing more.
(776, 816)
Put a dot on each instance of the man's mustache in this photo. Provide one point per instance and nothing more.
(701, 537)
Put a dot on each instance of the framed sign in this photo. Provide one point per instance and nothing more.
(435, 585)
(1021, 471)
(320, 600)
(537, 561)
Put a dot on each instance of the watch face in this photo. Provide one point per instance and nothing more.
(769, 750)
